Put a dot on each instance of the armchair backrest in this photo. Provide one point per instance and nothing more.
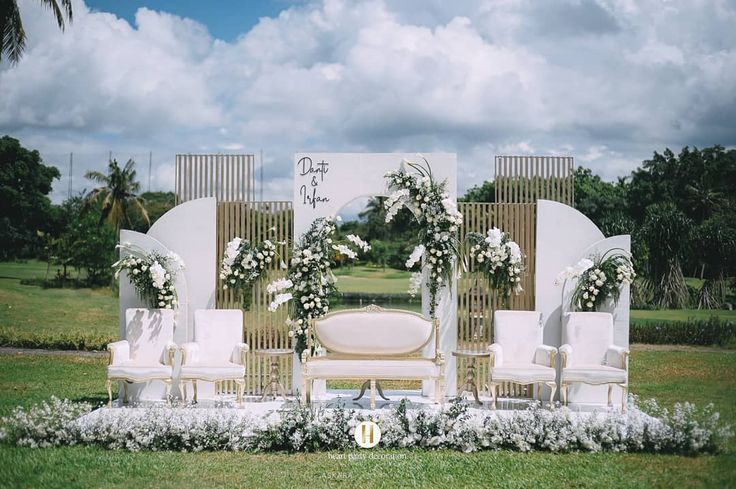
(148, 331)
(590, 334)
(217, 332)
(519, 333)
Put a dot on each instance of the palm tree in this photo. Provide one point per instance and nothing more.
(12, 35)
(118, 194)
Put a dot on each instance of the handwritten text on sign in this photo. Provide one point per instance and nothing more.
(315, 174)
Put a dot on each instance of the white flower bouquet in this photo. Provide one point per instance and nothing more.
(244, 263)
(310, 281)
(598, 279)
(499, 258)
(152, 274)
(438, 218)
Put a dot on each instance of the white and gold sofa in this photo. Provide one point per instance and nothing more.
(589, 355)
(217, 353)
(147, 352)
(375, 344)
(519, 355)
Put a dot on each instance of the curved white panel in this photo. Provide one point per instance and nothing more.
(190, 230)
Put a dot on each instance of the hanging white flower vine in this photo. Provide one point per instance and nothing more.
(438, 220)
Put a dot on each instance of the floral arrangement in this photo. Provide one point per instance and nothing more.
(244, 263)
(686, 430)
(499, 258)
(438, 219)
(151, 273)
(310, 281)
(598, 279)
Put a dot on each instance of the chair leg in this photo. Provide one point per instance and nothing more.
(109, 393)
(563, 392)
(194, 388)
(553, 391)
(610, 391)
(125, 392)
(492, 388)
(184, 390)
(438, 395)
(167, 383)
(624, 397)
(239, 388)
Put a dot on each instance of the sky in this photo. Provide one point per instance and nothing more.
(605, 81)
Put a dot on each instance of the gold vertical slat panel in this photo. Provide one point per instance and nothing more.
(526, 179)
(476, 302)
(258, 221)
(226, 177)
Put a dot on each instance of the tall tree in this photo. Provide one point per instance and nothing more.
(118, 195)
(12, 34)
(486, 192)
(25, 208)
(597, 199)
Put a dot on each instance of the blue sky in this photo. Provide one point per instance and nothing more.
(605, 81)
(225, 19)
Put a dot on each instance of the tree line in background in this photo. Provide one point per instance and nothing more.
(679, 210)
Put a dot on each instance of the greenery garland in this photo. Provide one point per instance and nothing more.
(499, 258)
(310, 282)
(438, 219)
(244, 263)
(599, 279)
(152, 274)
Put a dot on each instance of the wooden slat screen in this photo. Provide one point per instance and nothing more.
(226, 177)
(525, 179)
(475, 301)
(257, 221)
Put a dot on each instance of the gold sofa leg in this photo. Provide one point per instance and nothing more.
(553, 390)
(239, 388)
(373, 393)
(492, 388)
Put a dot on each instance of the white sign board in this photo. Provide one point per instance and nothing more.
(325, 182)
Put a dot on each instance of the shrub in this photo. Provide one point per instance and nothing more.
(693, 332)
(53, 341)
(686, 430)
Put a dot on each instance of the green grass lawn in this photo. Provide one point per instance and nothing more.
(28, 310)
(680, 315)
(669, 376)
(372, 280)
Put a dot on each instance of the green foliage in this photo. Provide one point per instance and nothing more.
(25, 208)
(12, 34)
(599, 200)
(157, 204)
(713, 331)
(117, 196)
(486, 192)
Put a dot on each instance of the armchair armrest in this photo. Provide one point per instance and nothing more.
(496, 352)
(566, 355)
(239, 353)
(169, 352)
(189, 353)
(119, 352)
(545, 355)
(618, 357)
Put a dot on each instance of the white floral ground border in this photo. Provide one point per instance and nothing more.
(684, 430)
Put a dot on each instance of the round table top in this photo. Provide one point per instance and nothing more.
(273, 352)
(470, 353)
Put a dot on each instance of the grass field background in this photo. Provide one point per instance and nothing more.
(668, 375)
(31, 311)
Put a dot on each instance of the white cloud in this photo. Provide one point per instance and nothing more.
(608, 82)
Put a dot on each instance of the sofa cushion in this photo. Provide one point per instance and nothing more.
(523, 373)
(213, 372)
(366, 369)
(138, 373)
(593, 374)
(365, 332)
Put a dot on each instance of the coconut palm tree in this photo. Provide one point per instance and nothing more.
(118, 195)
(12, 35)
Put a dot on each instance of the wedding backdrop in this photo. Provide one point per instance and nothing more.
(533, 197)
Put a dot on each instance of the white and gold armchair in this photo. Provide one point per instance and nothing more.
(518, 354)
(217, 353)
(147, 352)
(590, 357)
